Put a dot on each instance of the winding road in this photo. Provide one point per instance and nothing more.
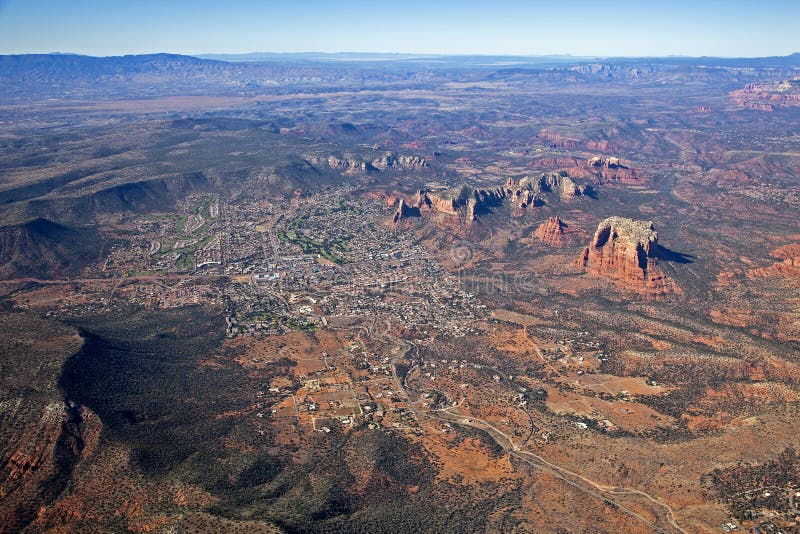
(621, 498)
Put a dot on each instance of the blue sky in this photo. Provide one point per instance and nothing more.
(578, 27)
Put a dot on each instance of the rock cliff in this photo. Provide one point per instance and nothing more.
(789, 264)
(612, 169)
(399, 161)
(625, 251)
(558, 183)
(551, 232)
(519, 195)
(767, 96)
(351, 165)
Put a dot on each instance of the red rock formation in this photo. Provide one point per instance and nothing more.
(766, 96)
(790, 254)
(623, 250)
(551, 232)
(414, 208)
(469, 202)
(556, 140)
(613, 169)
(443, 204)
(789, 266)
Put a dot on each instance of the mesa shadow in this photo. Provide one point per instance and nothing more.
(666, 254)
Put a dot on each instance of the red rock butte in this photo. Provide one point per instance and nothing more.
(551, 232)
(624, 251)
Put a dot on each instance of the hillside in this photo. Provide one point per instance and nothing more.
(43, 248)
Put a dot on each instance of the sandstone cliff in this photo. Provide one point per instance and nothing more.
(341, 164)
(518, 195)
(530, 189)
(351, 165)
(625, 251)
(551, 232)
(399, 161)
(471, 200)
(789, 264)
(768, 95)
(613, 169)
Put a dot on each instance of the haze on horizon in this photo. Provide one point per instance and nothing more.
(736, 28)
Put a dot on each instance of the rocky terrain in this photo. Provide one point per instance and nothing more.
(612, 169)
(390, 161)
(44, 435)
(516, 196)
(553, 232)
(768, 96)
(626, 252)
(313, 294)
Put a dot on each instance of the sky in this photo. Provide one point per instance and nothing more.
(727, 28)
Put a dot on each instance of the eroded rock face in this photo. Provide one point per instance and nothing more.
(768, 95)
(399, 161)
(551, 232)
(612, 169)
(624, 251)
(342, 164)
(519, 195)
(350, 165)
(790, 256)
(789, 264)
(472, 201)
(558, 183)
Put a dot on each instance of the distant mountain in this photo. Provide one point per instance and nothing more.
(790, 61)
(64, 68)
(32, 76)
(75, 66)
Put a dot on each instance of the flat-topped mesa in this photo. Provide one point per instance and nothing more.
(624, 251)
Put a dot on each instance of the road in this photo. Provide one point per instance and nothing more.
(665, 521)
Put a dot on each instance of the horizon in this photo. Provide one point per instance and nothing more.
(219, 55)
(581, 28)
